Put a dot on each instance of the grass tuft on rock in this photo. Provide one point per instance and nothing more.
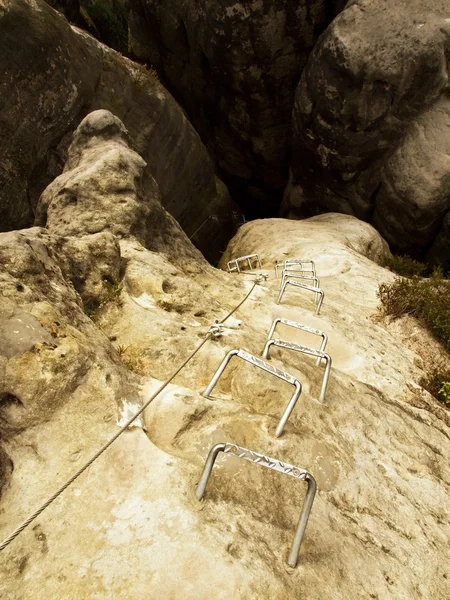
(438, 384)
(427, 299)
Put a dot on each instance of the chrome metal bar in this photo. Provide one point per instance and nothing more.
(209, 464)
(257, 362)
(304, 350)
(303, 521)
(241, 259)
(233, 265)
(302, 328)
(275, 465)
(305, 287)
(301, 275)
(212, 384)
(297, 262)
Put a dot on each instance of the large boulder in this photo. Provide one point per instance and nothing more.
(376, 69)
(106, 187)
(414, 195)
(54, 77)
(377, 442)
(234, 66)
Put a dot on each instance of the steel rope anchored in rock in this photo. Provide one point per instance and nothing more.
(276, 465)
(265, 366)
(214, 331)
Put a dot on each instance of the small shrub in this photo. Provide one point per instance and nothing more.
(91, 308)
(132, 359)
(112, 294)
(426, 299)
(444, 392)
(438, 384)
(405, 266)
(429, 301)
(145, 75)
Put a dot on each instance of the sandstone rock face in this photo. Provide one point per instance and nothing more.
(234, 67)
(415, 192)
(57, 75)
(368, 112)
(49, 348)
(106, 187)
(131, 525)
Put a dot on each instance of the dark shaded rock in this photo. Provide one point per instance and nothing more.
(234, 66)
(377, 67)
(439, 253)
(58, 74)
(415, 191)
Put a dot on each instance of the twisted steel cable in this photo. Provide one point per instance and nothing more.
(75, 476)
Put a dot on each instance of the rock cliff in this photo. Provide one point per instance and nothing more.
(54, 77)
(131, 526)
(234, 66)
(371, 122)
(302, 108)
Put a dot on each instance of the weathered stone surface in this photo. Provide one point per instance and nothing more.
(106, 187)
(49, 347)
(234, 67)
(92, 263)
(5, 469)
(376, 443)
(58, 74)
(378, 66)
(415, 191)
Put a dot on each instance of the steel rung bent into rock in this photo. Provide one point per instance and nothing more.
(257, 362)
(289, 273)
(306, 328)
(311, 352)
(304, 287)
(233, 265)
(299, 263)
(270, 463)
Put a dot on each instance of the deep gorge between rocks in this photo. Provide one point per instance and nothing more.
(123, 181)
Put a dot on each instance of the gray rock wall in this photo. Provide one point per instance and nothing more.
(52, 76)
(371, 121)
(234, 66)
